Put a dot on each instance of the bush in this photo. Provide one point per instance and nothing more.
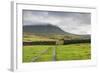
(77, 41)
(40, 43)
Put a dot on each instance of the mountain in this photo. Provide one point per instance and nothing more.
(43, 29)
(50, 30)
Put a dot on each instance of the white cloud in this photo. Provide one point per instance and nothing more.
(77, 30)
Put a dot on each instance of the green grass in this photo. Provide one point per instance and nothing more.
(36, 38)
(73, 52)
(53, 37)
(63, 52)
(30, 52)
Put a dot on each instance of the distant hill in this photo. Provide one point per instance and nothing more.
(43, 29)
(85, 36)
(50, 30)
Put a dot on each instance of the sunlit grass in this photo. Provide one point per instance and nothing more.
(63, 52)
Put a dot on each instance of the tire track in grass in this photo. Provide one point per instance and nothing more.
(45, 51)
(41, 53)
(54, 54)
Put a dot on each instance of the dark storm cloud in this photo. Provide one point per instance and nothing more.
(73, 22)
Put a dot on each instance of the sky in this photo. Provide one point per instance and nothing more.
(72, 22)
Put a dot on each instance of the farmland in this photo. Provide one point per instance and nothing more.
(63, 52)
(41, 48)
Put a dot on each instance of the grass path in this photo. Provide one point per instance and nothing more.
(41, 53)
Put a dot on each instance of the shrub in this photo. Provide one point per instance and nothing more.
(77, 41)
(40, 43)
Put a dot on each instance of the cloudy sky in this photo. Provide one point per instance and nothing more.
(72, 22)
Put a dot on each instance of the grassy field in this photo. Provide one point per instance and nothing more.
(32, 37)
(41, 53)
(36, 38)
